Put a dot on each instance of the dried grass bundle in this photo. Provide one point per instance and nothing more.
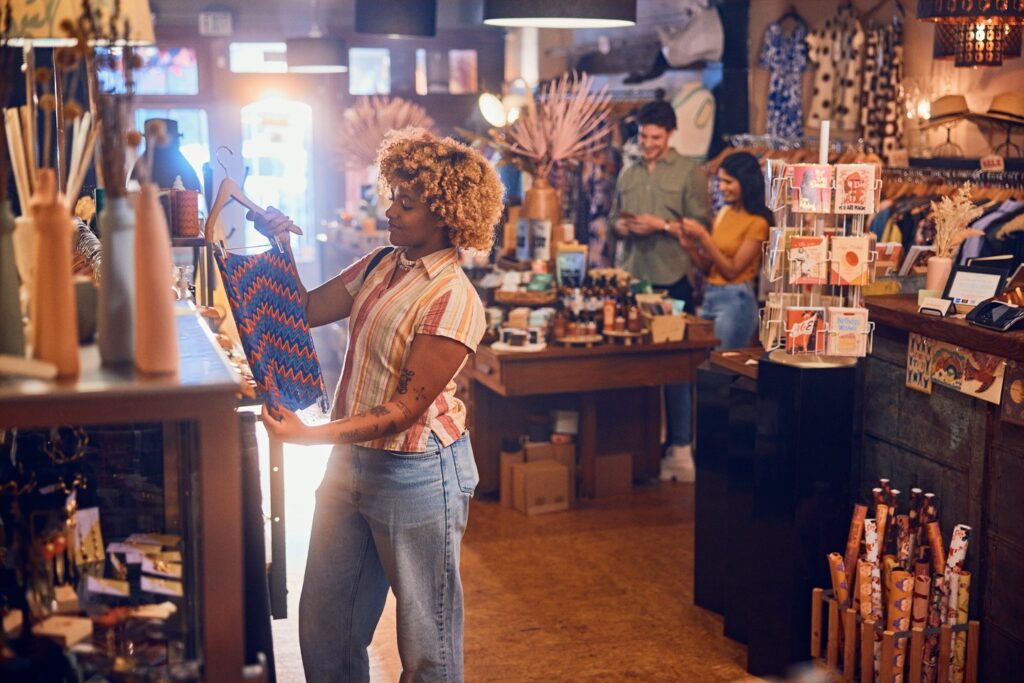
(365, 124)
(565, 123)
(8, 64)
(952, 216)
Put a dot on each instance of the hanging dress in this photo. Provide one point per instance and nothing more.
(785, 56)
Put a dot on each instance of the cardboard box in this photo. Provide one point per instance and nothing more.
(698, 329)
(565, 453)
(666, 328)
(539, 450)
(508, 461)
(539, 487)
(614, 475)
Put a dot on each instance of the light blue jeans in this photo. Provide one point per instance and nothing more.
(386, 519)
(733, 309)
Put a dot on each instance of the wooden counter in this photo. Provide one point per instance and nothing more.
(203, 394)
(617, 390)
(959, 447)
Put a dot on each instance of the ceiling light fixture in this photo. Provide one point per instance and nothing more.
(397, 18)
(561, 13)
(315, 53)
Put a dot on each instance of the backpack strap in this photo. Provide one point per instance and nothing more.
(375, 261)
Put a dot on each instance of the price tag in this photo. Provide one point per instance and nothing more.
(993, 164)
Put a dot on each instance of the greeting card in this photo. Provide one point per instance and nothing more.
(812, 188)
(808, 264)
(919, 360)
(855, 188)
(847, 331)
(805, 329)
(850, 257)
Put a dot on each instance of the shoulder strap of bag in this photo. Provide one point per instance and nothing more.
(377, 258)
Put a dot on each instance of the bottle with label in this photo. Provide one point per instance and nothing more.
(608, 314)
(633, 322)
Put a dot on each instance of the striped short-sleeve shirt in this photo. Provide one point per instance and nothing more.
(435, 297)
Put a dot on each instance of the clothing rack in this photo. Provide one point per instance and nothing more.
(938, 176)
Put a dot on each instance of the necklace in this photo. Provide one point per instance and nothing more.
(405, 263)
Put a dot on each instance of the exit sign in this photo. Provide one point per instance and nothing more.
(215, 24)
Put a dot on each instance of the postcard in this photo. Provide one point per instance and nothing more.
(855, 188)
(152, 584)
(847, 331)
(1013, 393)
(983, 376)
(808, 264)
(850, 256)
(100, 586)
(948, 365)
(805, 329)
(812, 188)
(919, 361)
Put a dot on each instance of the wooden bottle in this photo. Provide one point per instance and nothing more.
(55, 325)
(156, 334)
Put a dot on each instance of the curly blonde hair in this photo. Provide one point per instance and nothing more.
(455, 182)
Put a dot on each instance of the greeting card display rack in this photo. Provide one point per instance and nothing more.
(816, 260)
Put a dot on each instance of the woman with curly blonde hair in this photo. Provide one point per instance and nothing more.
(393, 504)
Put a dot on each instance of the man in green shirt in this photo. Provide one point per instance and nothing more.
(652, 196)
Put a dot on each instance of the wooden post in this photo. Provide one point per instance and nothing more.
(916, 654)
(832, 651)
(816, 598)
(888, 657)
(867, 651)
(850, 644)
(945, 648)
(973, 640)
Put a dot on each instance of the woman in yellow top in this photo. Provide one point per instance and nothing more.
(731, 252)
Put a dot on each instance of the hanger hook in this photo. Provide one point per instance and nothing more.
(220, 162)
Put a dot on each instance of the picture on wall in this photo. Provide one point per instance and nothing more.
(1013, 393)
(948, 365)
(983, 376)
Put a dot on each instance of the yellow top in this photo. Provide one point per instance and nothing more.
(732, 228)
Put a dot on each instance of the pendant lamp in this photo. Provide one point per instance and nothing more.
(316, 53)
(561, 13)
(971, 11)
(397, 18)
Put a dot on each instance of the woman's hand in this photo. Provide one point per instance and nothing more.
(284, 425)
(694, 230)
(274, 224)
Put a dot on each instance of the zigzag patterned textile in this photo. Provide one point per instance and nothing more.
(263, 290)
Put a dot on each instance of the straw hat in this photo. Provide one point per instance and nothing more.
(1007, 107)
(947, 109)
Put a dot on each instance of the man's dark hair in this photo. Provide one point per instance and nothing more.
(658, 113)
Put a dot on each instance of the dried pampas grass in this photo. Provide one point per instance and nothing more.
(365, 124)
(564, 123)
(952, 216)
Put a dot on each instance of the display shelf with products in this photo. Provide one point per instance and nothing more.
(152, 468)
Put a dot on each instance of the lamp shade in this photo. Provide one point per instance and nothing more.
(561, 13)
(971, 11)
(979, 44)
(38, 21)
(317, 55)
(397, 17)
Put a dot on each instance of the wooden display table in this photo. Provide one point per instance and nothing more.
(203, 394)
(615, 388)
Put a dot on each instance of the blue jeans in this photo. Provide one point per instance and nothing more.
(733, 309)
(387, 519)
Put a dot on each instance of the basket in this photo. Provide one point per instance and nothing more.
(545, 298)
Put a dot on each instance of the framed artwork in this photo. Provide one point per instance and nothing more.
(1013, 393)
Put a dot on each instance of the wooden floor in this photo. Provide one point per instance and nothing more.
(601, 593)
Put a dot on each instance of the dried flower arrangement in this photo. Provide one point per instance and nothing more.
(952, 216)
(563, 124)
(365, 124)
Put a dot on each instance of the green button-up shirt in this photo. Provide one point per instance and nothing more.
(676, 189)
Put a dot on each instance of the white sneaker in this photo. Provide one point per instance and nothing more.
(678, 465)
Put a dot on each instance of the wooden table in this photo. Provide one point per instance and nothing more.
(617, 390)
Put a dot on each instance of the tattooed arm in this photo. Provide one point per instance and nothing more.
(432, 363)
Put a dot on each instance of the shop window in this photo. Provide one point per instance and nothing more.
(277, 148)
(258, 58)
(369, 71)
(446, 72)
(193, 128)
(164, 71)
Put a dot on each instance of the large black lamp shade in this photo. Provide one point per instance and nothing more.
(971, 11)
(397, 17)
(317, 55)
(560, 13)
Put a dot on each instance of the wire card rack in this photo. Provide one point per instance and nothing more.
(816, 261)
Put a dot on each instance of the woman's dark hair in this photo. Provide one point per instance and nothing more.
(746, 169)
(657, 113)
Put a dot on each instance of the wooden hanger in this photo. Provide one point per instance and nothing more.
(227, 192)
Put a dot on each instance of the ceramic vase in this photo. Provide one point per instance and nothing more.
(117, 282)
(54, 321)
(939, 268)
(25, 257)
(12, 333)
(156, 334)
(541, 202)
